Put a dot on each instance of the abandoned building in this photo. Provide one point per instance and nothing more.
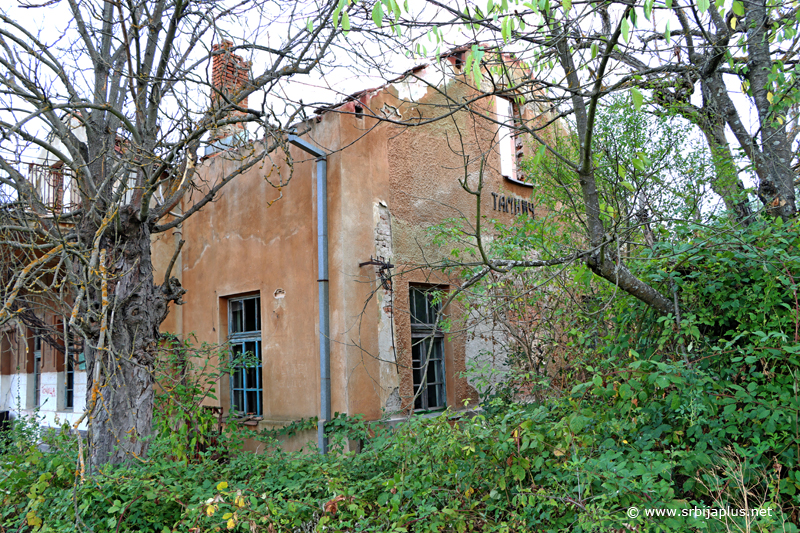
(322, 268)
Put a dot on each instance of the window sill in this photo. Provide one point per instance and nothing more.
(451, 415)
(402, 419)
(518, 182)
(249, 420)
(430, 412)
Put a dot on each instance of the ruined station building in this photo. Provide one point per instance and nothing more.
(320, 267)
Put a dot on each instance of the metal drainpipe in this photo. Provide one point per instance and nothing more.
(322, 283)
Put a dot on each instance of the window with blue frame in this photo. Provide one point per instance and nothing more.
(244, 337)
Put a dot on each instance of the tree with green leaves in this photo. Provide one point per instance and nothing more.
(577, 55)
(721, 49)
(654, 178)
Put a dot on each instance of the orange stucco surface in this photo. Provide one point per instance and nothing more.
(387, 185)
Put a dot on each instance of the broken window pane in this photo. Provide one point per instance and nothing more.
(251, 322)
(237, 318)
(427, 350)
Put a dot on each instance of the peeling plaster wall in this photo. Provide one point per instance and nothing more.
(15, 397)
(390, 372)
(486, 355)
(8, 393)
(424, 183)
(16, 371)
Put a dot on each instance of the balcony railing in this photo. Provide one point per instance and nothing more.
(56, 187)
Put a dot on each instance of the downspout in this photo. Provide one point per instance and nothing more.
(322, 284)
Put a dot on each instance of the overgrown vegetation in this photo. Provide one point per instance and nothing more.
(704, 416)
(608, 405)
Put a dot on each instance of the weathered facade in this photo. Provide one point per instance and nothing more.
(387, 185)
(250, 263)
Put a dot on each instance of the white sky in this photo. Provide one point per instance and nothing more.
(340, 79)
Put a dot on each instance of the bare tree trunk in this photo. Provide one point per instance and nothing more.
(726, 182)
(120, 380)
(777, 177)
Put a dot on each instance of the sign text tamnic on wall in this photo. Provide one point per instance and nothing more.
(509, 204)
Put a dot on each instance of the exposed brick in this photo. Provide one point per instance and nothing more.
(230, 74)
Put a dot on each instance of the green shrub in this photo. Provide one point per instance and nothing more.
(691, 418)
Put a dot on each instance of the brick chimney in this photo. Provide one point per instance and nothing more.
(230, 74)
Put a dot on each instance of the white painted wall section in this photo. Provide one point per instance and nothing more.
(505, 139)
(17, 396)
